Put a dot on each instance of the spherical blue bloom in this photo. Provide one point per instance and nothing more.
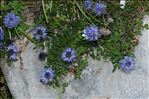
(12, 57)
(69, 55)
(12, 47)
(91, 33)
(1, 34)
(40, 33)
(99, 8)
(11, 20)
(12, 52)
(46, 75)
(127, 64)
(88, 4)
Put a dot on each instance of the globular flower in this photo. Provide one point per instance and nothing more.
(46, 75)
(91, 33)
(69, 55)
(99, 8)
(40, 33)
(1, 34)
(88, 4)
(12, 52)
(127, 64)
(11, 20)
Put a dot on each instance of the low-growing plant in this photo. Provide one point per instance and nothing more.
(72, 31)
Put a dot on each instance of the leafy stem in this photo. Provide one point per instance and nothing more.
(16, 32)
(27, 36)
(9, 34)
(83, 12)
(44, 11)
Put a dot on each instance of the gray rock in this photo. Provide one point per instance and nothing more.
(97, 80)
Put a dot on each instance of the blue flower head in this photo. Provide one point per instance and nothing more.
(69, 55)
(1, 34)
(88, 4)
(99, 8)
(127, 64)
(91, 33)
(11, 20)
(46, 75)
(12, 52)
(40, 33)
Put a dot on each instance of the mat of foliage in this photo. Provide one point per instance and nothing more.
(65, 21)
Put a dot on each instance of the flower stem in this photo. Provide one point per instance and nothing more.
(51, 4)
(95, 19)
(9, 34)
(27, 36)
(44, 11)
(83, 12)
(16, 32)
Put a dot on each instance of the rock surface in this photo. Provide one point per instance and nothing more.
(97, 81)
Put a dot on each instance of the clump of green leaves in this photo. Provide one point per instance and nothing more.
(67, 21)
